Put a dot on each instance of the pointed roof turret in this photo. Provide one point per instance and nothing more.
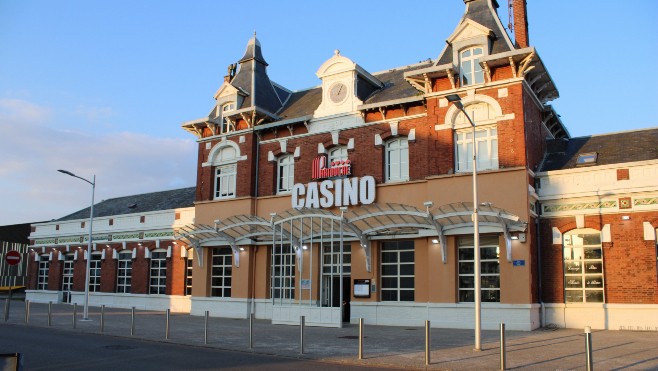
(253, 51)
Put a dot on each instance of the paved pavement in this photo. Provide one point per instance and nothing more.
(383, 346)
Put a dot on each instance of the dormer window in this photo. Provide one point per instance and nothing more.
(225, 123)
(470, 71)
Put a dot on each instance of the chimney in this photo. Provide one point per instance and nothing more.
(520, 11)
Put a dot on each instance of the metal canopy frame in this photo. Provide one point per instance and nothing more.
(364, 223)
(452, 218)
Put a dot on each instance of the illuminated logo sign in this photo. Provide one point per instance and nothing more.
(322, 170)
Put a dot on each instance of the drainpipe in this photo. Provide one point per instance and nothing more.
(542, 315)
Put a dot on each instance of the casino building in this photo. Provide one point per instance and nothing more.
(355, 198)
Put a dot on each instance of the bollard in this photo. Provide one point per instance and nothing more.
(251, 331)
(75, 309)
(27, 311)
(102, 317)
(50, 313)
(302, 319)
(503, 357)
(6, 309)
(132, 322)
(360, 338)
(427, 343)
(205, 330)
(167, 325)
(588, 348)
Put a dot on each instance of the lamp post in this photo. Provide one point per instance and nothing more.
(91, 220)
(456, 100)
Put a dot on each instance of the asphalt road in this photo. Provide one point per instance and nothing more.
(52, 349)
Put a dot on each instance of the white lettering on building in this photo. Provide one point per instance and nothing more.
(334, 193)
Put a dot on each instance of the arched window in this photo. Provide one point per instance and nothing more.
(225, 173)
(337, 154)
(470, 71)
(226, 125)
(487, 148)
(583, 266)
(285, 173)
(397, 160)
(158, 272)
(124, 271)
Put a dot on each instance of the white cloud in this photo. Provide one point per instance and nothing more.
(93, 114)
(32, 148)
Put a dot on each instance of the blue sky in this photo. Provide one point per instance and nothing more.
(102, 87)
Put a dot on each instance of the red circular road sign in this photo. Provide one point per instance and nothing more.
(13, 257)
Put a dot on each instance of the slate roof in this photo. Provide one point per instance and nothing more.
(17, 233)
(155, 201)
(480, 12)
(615, 148)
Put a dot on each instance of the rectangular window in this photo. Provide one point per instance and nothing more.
(397, 274)
(124, 272)
(188, 276)
(158, 282)
(221, 272)
(583, 267)
(331, 272)
(42, 279)
(283, 272)
(489, 269)
(285, 174)
(487, 142)
(95, 273)
(225, 181)
(397, 160)
(67, 273)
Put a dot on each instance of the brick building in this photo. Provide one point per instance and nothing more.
(135, 261)
(355, 199)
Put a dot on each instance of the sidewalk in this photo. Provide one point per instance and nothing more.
(395, 347)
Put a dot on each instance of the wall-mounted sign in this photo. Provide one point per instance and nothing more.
(334, 193)
(519, 263)
(361, 288)
(322, 170)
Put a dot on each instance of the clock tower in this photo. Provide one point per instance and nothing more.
(344, 86)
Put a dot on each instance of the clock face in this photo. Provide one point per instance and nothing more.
(338, 92)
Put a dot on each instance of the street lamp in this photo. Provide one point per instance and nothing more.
(456, 100)
(91, 220)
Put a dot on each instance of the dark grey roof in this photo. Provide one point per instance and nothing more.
(615, 148)
(479, 11)
(252, 78)
(395, 86)
(302, 103)
(16, 233)
(155, 201)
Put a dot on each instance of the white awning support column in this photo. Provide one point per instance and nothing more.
(363, 241)
(231, 241)
(508, 238)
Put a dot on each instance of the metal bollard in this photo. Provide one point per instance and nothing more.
(360, 338)
(75, 309)
(251, 331)
(205, 330)
(167, 325)
(102, 318)
(27, 311)
(132, 322)
(50, 313)
(588, 348)
(427, 343)
(503, 357)
(6, 309)
(302, 319)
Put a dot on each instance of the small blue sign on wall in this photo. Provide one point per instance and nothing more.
(519, 263)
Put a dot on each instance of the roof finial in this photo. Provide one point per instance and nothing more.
(336, 52)
(254, 33)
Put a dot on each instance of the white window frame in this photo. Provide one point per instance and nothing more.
(225, 181)
(489, 268)
(338, 153)
(221, 272)
(124, 271)
(67, 272)
(396, 160)
(579, 269)
(189, 263)
(226, 125)
(469, 66)
(158, 272)
(95, 272)
(283, 273)
(44, 267)
(285, 177)
(487, 142)
(395, 266)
